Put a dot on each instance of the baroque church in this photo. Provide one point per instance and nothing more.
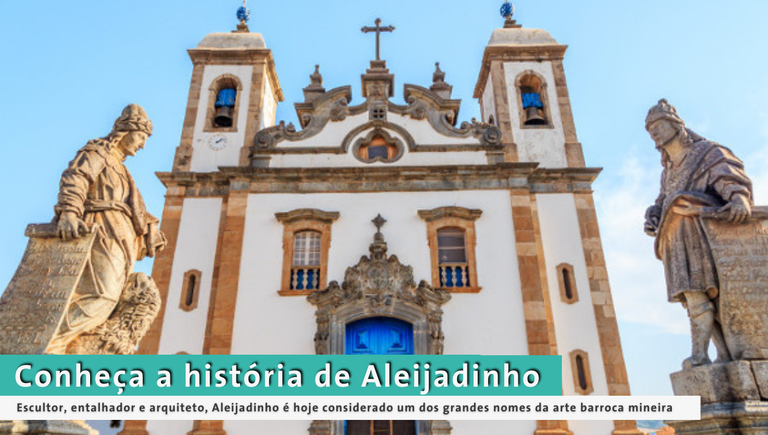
(385, 227)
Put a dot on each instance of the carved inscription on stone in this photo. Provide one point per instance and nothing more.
(741, 255)
(34, 302)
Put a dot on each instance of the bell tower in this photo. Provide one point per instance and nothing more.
(233, 94)
(522, 90)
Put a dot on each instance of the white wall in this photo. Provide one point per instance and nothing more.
(543, 145)
(488, 103)
(575, 325)
(204, 159)
(260, 325)
(269, 105)
(195, 249)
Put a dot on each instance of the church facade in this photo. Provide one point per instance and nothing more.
(486, 231)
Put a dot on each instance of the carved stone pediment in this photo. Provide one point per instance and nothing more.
(333, 106)
(378, 280)
(379, 285)
(313, 116)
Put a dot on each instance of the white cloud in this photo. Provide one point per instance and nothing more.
(637, 277)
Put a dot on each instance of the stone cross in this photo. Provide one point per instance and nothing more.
(378, 29)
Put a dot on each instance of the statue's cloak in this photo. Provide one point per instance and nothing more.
(709, 176)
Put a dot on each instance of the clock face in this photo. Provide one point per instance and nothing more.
(217, 142)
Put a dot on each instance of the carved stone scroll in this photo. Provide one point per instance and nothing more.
(35, 301)
(741, 255)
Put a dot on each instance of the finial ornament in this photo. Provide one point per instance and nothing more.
(379, 221)
(316, 77)
(506, 11)
(243, 14)
(438, 76)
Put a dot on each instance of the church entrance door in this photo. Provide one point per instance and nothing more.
(379, 336)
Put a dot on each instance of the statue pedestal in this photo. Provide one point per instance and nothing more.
(46, 427)
(750, 417)
(734, 398)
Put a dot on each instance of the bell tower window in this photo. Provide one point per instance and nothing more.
(533, 101)
(224, 98)
(225, 106)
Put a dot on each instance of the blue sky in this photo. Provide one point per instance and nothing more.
(68, 68)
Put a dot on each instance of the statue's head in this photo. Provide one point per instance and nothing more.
(664, 124)
(131, 129)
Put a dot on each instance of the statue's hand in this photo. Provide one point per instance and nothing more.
(651, 221)
(71, 227)
(738, 209)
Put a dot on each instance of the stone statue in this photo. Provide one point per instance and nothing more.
(697, 173)
(712, 241)
(75, 290)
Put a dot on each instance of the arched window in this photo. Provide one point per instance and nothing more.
(567, 280)
(224, 102)
(190, 290)
(582, 376)
(305, 269)
(532, 98)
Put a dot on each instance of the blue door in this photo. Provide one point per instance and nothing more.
(379, 336)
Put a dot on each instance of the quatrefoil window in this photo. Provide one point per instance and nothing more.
(378, 146)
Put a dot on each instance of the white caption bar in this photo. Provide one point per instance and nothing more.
(351, 408)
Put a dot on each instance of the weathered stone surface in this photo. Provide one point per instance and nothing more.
(760, 369)
(712, 241)
(718, 383)
(741, 257)
(742, 381)
(74, 291)
(710, 382)
(744, 418)
(46, 427)
(35, 301)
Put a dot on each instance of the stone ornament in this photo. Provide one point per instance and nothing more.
(379, 285)
(704, 206)
(333, 106)
(75, 290)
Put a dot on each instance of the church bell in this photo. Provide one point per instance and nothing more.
(533, 116)
(223, 116)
